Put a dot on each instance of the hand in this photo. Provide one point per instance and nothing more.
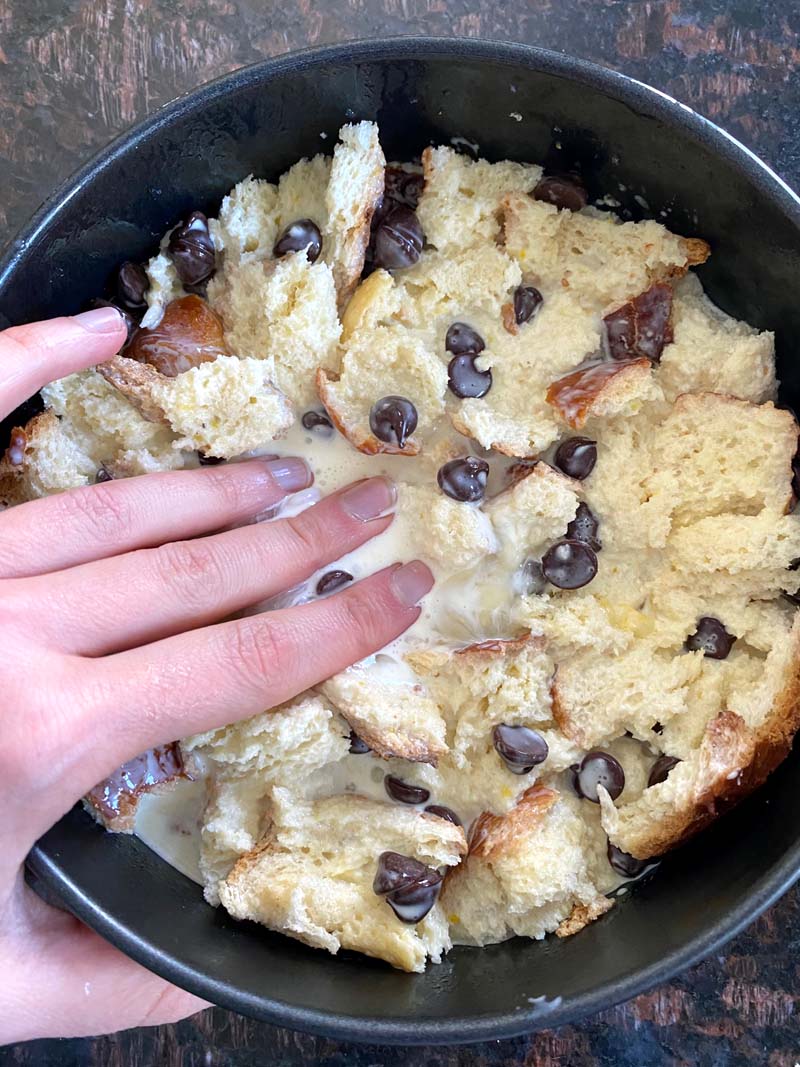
(110, 601)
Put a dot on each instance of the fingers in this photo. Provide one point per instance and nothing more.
(223, 673)
(143, 596)
(33, 355)
(117, 516)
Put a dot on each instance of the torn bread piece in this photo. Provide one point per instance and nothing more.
(450, 535)
(718, 455)
(514, 417)
(338, 195)
(603, 262)
(749, 555)
(533, 512)
(461, 198)
(390, 709)
(376, 302)
(244, 761)
(282, 311)
(480, 687)
(599, 390)
(714, 353)
(535, 870)
(113, 802)
(354, 191)
(41, 459)
(311, 876)
(222, 409)
(741, 746)
(597, 697)
(444, 286)
(87, 425)
(385, 362)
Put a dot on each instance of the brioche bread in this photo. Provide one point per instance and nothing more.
(673, 654)
(311, 876)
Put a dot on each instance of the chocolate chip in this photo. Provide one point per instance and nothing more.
(661, 768)
(403, 186)
(464, 479)
(657, 728)
(396, 871)
(103, 475)
(317, 421)
(569, 564)
(711, 638)
(398, 239)
(595, 769)
(300, 235)
(412, 904)
(410, 887)
(584, 527)
(533, 580)
(625, 864)
(131, 322)
(333, 580)
(796, 473)
(405, 792)
(563, 190)
(461, 338)
(132, 285)
(393, 419)
(192, 251)
(444, 813)
(358, 746)
(520, 748)
(641, 327)
(464, 378)
(209, 461)
(527, 301)
(576, 457)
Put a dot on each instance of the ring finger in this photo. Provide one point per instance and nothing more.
(150, 594)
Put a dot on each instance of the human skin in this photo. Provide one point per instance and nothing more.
(112, 601)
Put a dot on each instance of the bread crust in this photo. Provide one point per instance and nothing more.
(582, 915)
(492, 835)
(14, 488)
(135, 381)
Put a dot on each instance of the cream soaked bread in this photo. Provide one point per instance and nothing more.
(587, 454)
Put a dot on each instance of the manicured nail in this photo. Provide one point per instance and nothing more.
(101, 320)
(411, 582)
(290, 473)
(370, 499)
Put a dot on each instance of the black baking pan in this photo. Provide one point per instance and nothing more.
(656, 158)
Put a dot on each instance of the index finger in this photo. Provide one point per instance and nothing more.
(33, 355)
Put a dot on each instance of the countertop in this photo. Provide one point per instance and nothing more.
(74, 73)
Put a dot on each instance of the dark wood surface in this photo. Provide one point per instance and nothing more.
(74, 73)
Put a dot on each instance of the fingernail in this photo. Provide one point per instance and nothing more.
(290, 473)
(101, 320)
(411, 582)
(370, 499)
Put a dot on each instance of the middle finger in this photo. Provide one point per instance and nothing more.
(153, 593)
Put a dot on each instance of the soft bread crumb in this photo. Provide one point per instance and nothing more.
(311, 876)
